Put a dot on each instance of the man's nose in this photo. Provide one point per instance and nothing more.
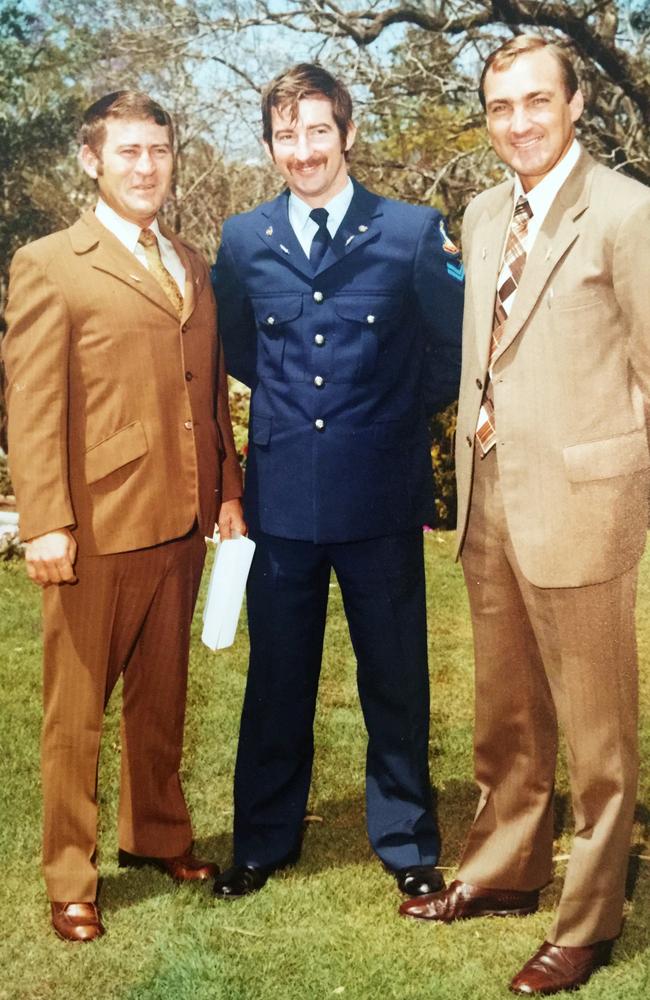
(144, 163)
(520, 119)
(303, 147)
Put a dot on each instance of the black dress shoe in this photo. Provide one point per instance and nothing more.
(241, 880)
(419, 880)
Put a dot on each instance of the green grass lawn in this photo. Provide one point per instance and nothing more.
(326, 928)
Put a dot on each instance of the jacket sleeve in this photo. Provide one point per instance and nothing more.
(439, 286)
(236, 321)
(36, 351)
(631, 264)
(231, 477)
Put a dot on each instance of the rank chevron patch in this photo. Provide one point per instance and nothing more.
(456, 270)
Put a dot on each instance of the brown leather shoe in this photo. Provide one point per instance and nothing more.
(184, 867)
(77, 921)
(460, 901)
(555, 967)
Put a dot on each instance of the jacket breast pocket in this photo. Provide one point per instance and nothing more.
(368, 320)
(273, 314)
(115, 451)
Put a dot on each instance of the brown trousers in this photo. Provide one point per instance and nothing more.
(129, 613)
(543, 656)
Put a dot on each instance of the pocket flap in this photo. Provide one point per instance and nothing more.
(113, 452)
(619, 456)
(273, 310)
(368, 309)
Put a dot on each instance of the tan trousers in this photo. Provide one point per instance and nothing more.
(129, 613)
(543, 656)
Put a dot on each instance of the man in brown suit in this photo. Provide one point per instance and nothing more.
(553, 470)
(122, 458)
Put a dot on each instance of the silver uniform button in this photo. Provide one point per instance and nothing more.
(370, 318)
(319, 339)
(319, 424)
(318, 296)
(188, 425)
(270, 320)
(319, 381)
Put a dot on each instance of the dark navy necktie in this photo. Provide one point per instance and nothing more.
(322, 238)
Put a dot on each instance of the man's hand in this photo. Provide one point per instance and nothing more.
(50, 558)
(231, 519)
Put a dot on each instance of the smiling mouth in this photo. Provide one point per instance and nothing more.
(527, 143)
(306, 168)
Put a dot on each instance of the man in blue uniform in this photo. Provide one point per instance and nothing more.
(342, 311)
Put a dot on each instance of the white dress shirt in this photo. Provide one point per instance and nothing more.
(305, 228)
(128, 232)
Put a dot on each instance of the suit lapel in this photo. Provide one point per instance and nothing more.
(488, 240)
(88, 235)
(194, 274)
(360, 224)
(559, 230)
(276, 232)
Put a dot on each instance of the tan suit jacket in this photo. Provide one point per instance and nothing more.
(569, 378)
(119, 422)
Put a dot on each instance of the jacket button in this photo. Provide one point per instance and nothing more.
(319, 339)
(188, 425)
(319, 424)
(370, 318)
(479, 384)
(469, 441)
(270, 320)
(188, 376)
(318, 296)
(319, 381)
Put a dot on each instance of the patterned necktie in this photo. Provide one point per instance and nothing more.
(513, 265)
(149, 241)
(322, 238)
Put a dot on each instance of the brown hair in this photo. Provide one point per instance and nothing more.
(305, 80)
(503, 58)
(122, 104)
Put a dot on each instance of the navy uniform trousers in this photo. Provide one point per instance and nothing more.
(382, 586)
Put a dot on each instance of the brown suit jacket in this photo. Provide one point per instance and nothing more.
(569, 378)
(119, 425)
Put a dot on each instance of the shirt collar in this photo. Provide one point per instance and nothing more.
(299, 210)
(541, 197)
(126, 232)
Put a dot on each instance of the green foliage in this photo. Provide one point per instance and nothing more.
(327, 928)
(40, 107)
(442, 429)
(6, 488)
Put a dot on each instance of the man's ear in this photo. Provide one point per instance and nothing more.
(576, 104)
(351, 136)
(90, 162)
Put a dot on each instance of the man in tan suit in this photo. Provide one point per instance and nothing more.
(553, 469)
(122, 458)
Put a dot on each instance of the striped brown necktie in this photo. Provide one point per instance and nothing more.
(513, 265)
(149, 241)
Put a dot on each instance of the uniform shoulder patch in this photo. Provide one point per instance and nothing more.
(447, 245)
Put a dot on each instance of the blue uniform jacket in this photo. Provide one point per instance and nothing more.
(345, 363)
